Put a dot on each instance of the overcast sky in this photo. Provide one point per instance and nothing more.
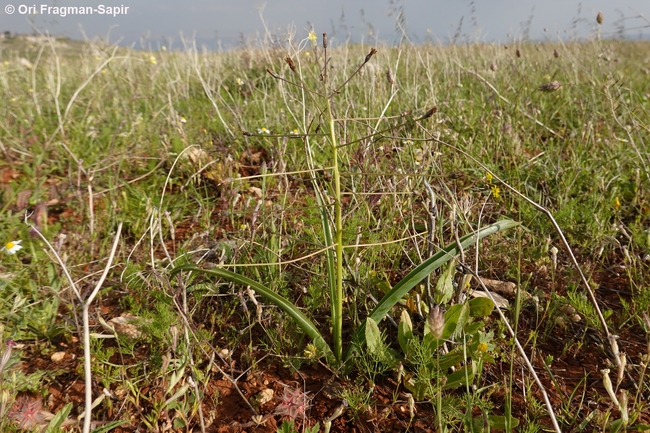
(226, 21)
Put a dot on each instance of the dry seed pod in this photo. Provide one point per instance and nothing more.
(390, 77)
(370, 54)
(290, 63)
(429, 113)
(600, 18)
(493, 67)
(556, 53)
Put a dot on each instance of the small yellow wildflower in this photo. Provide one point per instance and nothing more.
(310, 351)
(488, 177)
(496, 192)
(183, 119)
(294, 132)
(263, 130)
(12, 247)
(617, 204)
(5, 63)
(152, 60)
(482, 347)
(239, 81)
(164, 48)
(13, 99)
(312, 37)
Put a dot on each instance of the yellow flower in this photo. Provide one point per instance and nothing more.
(263, 130)
(164, 48)
(294, 132)
(239, 82)
(488, 177)
(496, 192)
(310, 351)
(152, 60)
(12, 247)
(617, 204)
(483, 347)
(5, 63)
(183, 119)
(312, 37)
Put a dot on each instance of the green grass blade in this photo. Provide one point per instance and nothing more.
(110, 426)
(307, 325)
(425, 268)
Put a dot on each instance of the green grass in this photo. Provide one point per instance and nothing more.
(157, 140)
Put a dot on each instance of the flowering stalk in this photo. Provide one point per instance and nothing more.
(337, 300)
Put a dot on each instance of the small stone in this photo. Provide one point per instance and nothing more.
(58, 357)
(262, 397)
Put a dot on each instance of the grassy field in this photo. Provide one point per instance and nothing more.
(287, 238)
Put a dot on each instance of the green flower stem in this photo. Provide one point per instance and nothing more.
(337, 299)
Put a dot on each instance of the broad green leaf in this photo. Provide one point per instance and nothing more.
(497, 422)
(420, 272)
(55, 423)
(480, 307)
(373, 337)
(405, 331)
(474, 327)
(456, 318)
(449, 360)
(418, 387)
(459, 378)
(432, 343)
(305, 324)
(615, 426)
(445, 285)
(314, 429)
(500, 422)
(642, 427)
(381, 284)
